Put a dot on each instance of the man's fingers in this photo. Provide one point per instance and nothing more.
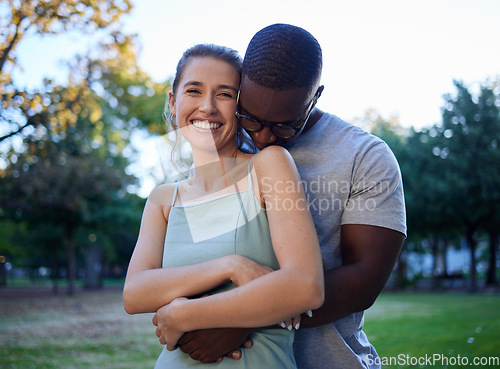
(197, 355)
(155, 320)
(188, 349)
(186, 337)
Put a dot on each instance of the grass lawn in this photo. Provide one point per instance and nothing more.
(410, 328)
(91, 330)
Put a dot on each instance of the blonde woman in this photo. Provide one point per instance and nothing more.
(240, 220)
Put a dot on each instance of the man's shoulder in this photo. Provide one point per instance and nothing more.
(338, 126)
(335, 134)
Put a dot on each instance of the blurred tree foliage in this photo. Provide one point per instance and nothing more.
(468, 142)
(451, 177)
(67, 182)
(23, 17)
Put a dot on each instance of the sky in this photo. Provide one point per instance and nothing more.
(398, 57)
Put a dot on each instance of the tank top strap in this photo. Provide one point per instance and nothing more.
(175, 193)
(250, 174)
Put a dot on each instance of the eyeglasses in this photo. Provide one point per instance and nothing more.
(282, 130)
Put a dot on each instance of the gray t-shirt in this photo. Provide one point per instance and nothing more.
(350, 177)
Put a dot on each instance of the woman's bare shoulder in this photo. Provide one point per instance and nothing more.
(162, 194)
(273, 158)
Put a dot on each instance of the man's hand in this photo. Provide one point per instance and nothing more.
(211, 345)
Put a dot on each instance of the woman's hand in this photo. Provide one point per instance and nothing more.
(167, 326)
(245, 270)
(294, 322)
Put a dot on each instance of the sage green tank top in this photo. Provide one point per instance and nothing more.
(233, 223)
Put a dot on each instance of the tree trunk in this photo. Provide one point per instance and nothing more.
(55, 279)
(70, 249)
(3, 273)
(445, 256)
(491, 278)
(435, 256)
(55, 271)
(472, 247)
(93, 268)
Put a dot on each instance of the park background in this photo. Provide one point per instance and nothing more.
(82, 142)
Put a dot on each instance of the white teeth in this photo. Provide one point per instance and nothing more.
(205, 124)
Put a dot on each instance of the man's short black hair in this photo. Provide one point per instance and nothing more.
(283, 57)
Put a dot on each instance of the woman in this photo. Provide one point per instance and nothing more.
(215, 230)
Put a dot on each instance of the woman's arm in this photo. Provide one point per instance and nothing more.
(148, 286)
(296, 287)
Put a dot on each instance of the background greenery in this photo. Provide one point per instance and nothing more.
(69, 213)
(452, 324)
(68, 203)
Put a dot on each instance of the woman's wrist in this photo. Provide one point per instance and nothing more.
(231, 267)
(179, 314)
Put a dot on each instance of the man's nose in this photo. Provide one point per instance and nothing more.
(264, 137)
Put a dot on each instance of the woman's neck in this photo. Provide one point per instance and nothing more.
(211, 168)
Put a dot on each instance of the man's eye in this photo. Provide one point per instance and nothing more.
(192, 91)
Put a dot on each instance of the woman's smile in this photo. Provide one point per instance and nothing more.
(206, 125)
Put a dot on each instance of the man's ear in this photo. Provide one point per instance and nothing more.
(320, 90)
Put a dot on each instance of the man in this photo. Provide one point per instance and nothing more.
(354, 189)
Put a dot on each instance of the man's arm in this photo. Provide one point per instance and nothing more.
(369, 254)
(210, 345)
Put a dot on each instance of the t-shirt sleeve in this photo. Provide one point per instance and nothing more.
(376, 195)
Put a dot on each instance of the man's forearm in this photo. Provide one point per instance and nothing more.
(344, 295)
(369, 254)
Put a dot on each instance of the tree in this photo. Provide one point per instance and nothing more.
(470, 134)
(394, 135)
(431, 222)
(23, 17)
(428, 191)
(450, 175)
(71, 169)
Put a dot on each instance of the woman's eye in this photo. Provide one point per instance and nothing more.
(227, 94)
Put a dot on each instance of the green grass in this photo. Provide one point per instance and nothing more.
(46, 282)
(91, 330)
(408, 328)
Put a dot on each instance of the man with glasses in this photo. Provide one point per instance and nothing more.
(354, 190)
(282, 130)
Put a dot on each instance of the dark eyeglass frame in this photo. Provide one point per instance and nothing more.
(275, 126)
